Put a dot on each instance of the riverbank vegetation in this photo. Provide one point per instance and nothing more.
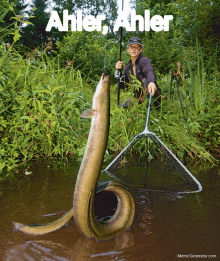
(44, 89)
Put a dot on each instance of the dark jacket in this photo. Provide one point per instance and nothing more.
(144, 73)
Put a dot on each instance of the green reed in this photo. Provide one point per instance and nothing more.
(188, 122)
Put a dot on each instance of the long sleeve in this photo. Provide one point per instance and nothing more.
(147, 71)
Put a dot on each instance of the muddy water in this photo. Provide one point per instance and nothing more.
(167, 226)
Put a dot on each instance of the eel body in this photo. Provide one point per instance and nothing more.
(87, 178)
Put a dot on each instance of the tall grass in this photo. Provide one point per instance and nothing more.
(188, 122)
(166, 122)
(202, 96)
(40, 105)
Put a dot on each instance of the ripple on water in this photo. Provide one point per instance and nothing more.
(165, 224)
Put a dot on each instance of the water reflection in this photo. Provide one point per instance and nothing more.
(32, 250)
(146, 217)
(85, 249)
(165, 224)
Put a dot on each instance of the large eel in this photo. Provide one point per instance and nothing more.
(86, 183)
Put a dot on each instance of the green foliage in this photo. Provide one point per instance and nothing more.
(188, 123)
(40, 107)
(35, 36)
(198, 19)
(191, 20)
(41, 98)
(93, 7)
(10, 25)
(78, 46)
(167, 122)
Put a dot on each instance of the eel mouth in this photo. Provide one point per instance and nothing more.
(104, 73)
(105, 78)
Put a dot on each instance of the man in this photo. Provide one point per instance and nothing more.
(140, 67)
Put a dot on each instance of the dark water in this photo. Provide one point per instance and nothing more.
(167, 226)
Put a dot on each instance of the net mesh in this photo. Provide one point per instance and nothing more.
(155, 168)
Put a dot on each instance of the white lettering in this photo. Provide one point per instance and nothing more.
(147, 20)
(182, 256)
(99, 19)
(66, 19)
(54, 21)
(167, 18)
(135, 18)
(90, 23)
(105, 29)
(79, 20)
(156, 23)
(122, 21)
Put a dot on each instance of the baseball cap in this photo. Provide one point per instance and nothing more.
(135, 40)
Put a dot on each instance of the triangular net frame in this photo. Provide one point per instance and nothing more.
(157, 168)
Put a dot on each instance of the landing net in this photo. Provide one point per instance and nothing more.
(156, 168)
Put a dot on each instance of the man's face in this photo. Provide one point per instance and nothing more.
(134, 50)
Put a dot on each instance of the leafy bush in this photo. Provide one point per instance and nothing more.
(89, 53)
(40, 108)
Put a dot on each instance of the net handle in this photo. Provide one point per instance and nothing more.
(148, 114)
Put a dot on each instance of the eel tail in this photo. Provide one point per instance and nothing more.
(44, 229)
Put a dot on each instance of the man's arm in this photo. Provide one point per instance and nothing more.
(149, 79)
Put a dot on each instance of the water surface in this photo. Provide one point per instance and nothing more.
(167, 226)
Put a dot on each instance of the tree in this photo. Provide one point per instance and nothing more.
(35, 35)
(94, 7)
(8, 10)
(89, 52)
(191, 20)
(199, 19)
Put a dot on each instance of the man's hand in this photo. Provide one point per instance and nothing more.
(151, 88)
(118, 65)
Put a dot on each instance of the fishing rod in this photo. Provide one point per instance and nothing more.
(118, 99)
(120, 51)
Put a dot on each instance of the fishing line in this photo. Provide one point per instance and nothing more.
(104, 69)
